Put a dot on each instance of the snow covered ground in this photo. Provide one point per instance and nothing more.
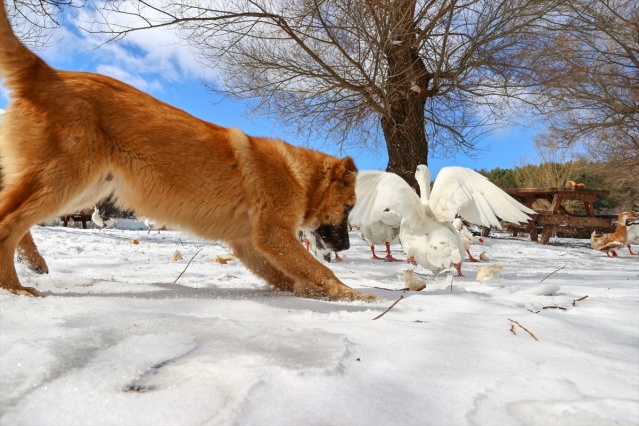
(116, 342)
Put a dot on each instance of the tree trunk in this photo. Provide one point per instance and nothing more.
(406, 139)
(406, 88)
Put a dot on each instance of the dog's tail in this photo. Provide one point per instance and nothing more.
(16, 60)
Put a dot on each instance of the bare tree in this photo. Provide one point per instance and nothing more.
(34, 20)
(417, 75)
(591, 91)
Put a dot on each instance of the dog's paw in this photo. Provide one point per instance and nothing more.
(39, 269)
(333, 290)
(336, 290)
(308, 291)
(26, 291)
(35, 264)
(351, 295)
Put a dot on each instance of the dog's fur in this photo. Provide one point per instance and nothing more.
(27, 250)
(68, 139)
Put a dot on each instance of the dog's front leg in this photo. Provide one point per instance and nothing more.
(311, 278)
(260, 265)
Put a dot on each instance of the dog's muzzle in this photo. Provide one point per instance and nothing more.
(335, 237)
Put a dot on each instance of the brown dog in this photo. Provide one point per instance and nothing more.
(68, 139)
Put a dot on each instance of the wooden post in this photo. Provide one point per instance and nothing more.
(546, 234)
(532, 230)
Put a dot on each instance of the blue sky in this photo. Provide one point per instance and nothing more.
(155, 62)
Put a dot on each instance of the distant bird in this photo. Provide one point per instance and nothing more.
(610, 242)
(632, 234)
(426, 230)
(150, 224)
(467, 237)
(573, 184)
(101, 222)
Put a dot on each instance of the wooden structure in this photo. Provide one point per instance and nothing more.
(83, 216)
(557, 217)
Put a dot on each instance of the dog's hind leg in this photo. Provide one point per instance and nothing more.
(8, 276)
(14, 224)
(28, 252)
(260, 266)
(24, 201)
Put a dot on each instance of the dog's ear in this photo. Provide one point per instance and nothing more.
(345, 170)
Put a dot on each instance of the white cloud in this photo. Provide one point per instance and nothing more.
(151, 51)
(147, 59)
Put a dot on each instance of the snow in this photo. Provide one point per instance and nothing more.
(117, 342)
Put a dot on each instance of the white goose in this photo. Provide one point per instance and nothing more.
(378, 223)
(385, 231)
(462, 191)
(426, 230)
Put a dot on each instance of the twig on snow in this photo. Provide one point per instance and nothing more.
(574, 302)
(554, 307)
(384, 288)
(389, 308)
(552, 273)
(187, 265)
(512, 329)
(524, 328)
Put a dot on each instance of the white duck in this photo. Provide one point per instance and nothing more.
(99, 221)
(426, 230)
(467, 237)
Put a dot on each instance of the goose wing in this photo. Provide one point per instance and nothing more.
(383, 197)
(462, 191)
